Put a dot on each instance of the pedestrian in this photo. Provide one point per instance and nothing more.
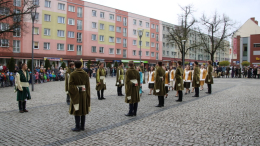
(120, 79)
(159, 84)
(132, 86)
(143, 72)
(196, 79)
(167, 81)
(150, 80)
(245, 72)
(227, 72)
(239, 72)
(209, 79)
(101, 81)
(22, 87)
(258, 72)
(79, 91)
(141, 80)
(172, 73)
(67, 76)
(187, 78)
(178, 86)
(203, 73)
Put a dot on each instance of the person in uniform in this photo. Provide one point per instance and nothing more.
(132, 87)
(239, 72)
(159, 88)
(120, 79)
(187, 77)
(79, 91)
(101, 81)
(22, 87)
(203, 73)
(227, 72)
(167, 81)
(67, 75)
(150, 80)
(171, 73)
(209, 79)
(178, 86)
(196, 79)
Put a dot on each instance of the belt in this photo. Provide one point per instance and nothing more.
(134, 81)
(103, 78)
(24, 84)
(82, 86)
(161, 77)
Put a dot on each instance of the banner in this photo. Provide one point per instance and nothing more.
(234, 45)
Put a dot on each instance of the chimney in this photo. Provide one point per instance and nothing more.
(253, 19)
(256, 22)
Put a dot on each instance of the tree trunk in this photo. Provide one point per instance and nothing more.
(212, 58)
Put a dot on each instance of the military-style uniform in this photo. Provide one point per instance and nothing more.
(227, 72)
(22, 87)
(79, 91)
(159, 86)
(101, 83)
(67, 76)
(119, 80)
(196, 81)
(132, 92)
(209, 78)
(178, 86)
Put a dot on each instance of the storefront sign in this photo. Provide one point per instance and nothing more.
(135, 61)
(257, 58)
(53, 59)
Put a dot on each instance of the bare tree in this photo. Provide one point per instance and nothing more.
(216, 30)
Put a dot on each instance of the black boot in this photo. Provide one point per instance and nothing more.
(82, 123)
(20, 105)
(131, 108)
(68, 99)
(24, 107)
(102, 94)
(118, 91)
(121, 94)
(160, 102)
(77, 121)
(135, 108)
(209, 88)
(180, 96)
(98, 94)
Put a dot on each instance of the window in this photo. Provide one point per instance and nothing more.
(93, 49)
(124, 32)
(124, 53)
(118, 40)
(4, 11)
(47, 17)
(46, 46)
(37, 16)
(167, 53)
(17, 3)
(118, 29)
(101, 50)
(94, 13)
(101, 38)
(163, 35)
(152, 54)
(111, 27)
(125, 21)
(102, 15)
(111, 16)
(101, 26)
(157, 56)
(61, 19)
(17, 32)
(47, 3)
(94, 25)
(17, 18)
(124, 43)
(134, 52)
(147, 34)
(147, 44)
(16, 46)
(118, 51)
(140, 23)
(61, 6)
(111, 39)
(60, 46)
(134, 21)
(163, 44)
(79, 37)
(79, 12)
(36, 2)
(134, 32)
(163, 28)
(70, 47)
(118, 18)
(71, 8)
(47, 31)
(157, 47)
(79, 24)
(147, 24)
(134, 42)
(111, 51)
(153, 26)
(79, 50)
(147, 53)
(157, 28)
(93, 37)
(256, 45)
(36, 45)
(152, 35)
(36, 30)
(4, 26)
(71, 34)
(157, 37)
(167, 45)
(152, 44)
(61, 33)
(71, 21)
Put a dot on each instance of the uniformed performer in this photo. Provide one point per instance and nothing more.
(171, 73)
(178, 86)
(101, 81)
(203, 73)
(167, 81)
(227, 72)
(132, 87)
(187, 77)
(22, 87)
(209, 78)
(120, 79)
(150, 80)
(67, 75)
(159, 88)
(196, 79)
(79, 91)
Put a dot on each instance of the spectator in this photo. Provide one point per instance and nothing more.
(94, 72)
(16, 68)
(1, 68)
(4, 68)
(56, 70)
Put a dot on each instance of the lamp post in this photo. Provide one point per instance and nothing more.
(33, 15)
(140, 34)
(183, 51)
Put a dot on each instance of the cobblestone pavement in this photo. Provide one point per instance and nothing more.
(229, 116)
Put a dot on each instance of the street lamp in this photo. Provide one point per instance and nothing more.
(33, 15)
(140, 34)
(183, 51)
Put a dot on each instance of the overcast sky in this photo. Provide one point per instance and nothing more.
(168, 10)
